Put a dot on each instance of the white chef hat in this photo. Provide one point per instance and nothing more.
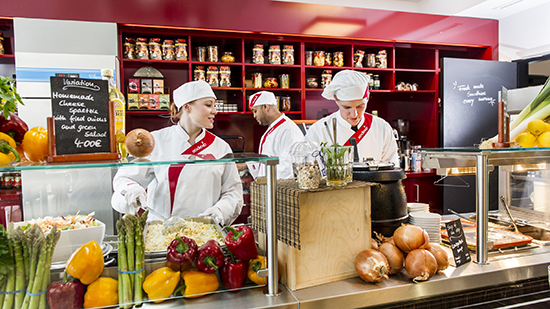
(262, 98)
(192, 91)
(348, 85)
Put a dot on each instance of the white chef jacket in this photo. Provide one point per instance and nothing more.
(198, 187)
(378, 143)
(276, 142)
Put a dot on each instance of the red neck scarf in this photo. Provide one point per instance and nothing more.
(362, 131)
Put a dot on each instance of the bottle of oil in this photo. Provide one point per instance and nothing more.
(119, 103)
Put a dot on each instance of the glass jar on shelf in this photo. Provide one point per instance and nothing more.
(275, 54)
(371, 81)
(168, 51)
(338, 59)
(328, 59)
(212, 77)
(142, 48)
(288, 55)
(257, 80)
(212, 53)
(129, 48)
(181, 49)
(311, 82)
(371, 61)
(305, 164)
(309, 57)
(285, 104)
(376, 82)
(326, 78)
(155, 50)
(225, 76)
(271, 82)
(319, 58)
(199, 73)
(258, 54)
(358, 58)
(382, 59)
(201, 54)
(228, 57)
(284, 81)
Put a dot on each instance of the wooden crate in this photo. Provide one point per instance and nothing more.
(334, 227)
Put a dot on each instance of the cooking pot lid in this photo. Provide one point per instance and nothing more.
(373, 166)
(380, 175)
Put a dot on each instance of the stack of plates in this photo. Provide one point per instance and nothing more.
(418, 207)
(431, 222)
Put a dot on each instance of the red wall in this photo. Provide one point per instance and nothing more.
(265, 16)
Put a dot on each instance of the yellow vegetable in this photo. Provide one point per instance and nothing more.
(544, 139)
(161, 283)
(8, 153)
(536, 126)
(103, 292)
(253, 266)
(86, 263)
(526, 140)
(198, 283)
(35, 144)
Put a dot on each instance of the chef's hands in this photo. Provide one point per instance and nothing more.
(215, 213)
(135, 196)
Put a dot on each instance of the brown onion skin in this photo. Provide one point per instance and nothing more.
(420, 264)
(139, 143)
(373, 244)
(409, 237)
(372, 265)
(440, 256)
(394, 256)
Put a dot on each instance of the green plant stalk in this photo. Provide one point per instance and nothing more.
(10, 284)
(39, 276)
(123, 266)
(130, 246)
(52, 239)
(120, 232)
(20, 282)
(526, 112)
(139, 258)
(2, 289)
(38, 243)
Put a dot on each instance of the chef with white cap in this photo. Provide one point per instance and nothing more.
(185, 190)
(277, 140)
(373, 135)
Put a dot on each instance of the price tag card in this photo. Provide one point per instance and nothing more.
(458, 242)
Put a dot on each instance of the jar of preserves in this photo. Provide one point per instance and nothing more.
(278, 100)
(328, 59)
(199, 73)
(212, 77)
(338, 59)
(257, 80)
(358, 58)
(201, 54)
(258, 54)
(376, 82)
(326, 78)
(225, 76)
(319, 58)
(142, 48)
(168, 51)
(271, 82)
(129, 48)
(371, 81)
(228, 57)
(382, 59)
(309, 57)
(17, 180)
(288, 55)
(212, 53)
(285, 104)
(155, 50)
(275, 54)
(181, 49)
(312, 82)
(284, 81)
(371, 60)
(305, 165)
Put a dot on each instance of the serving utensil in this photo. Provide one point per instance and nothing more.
(169, 225)
(503, 200)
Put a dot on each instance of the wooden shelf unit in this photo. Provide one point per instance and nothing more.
(406, 62)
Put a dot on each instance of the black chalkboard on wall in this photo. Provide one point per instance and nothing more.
(80, 108)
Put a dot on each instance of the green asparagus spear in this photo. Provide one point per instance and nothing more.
(123, 266)
(138, 256)
(20, 281)
(10, 285)
(130, 246)
(52, 239)
(2, 290)
(6, 259)
(38, 244)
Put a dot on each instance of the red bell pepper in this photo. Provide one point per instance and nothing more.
(181, 253)
(14, 127)
(234, 273)
(66, 294)
(240, 242)
(210, 257)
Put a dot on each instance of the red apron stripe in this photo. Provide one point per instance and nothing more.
(269, 132)
(174, 171)
(362, 131)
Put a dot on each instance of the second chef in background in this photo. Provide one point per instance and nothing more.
(185, 190)
(374, 136)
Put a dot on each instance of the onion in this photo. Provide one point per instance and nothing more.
(139, 143)
(394, 256)
(372, 265)
(440, 256)
(409, 237)
(420, 265)
(373, 244)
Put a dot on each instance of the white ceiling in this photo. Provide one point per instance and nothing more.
(492, 9)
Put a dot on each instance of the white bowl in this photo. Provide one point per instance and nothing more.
(70, 240)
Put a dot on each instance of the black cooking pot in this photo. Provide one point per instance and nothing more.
(388, 198)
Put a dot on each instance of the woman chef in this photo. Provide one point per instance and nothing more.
(185, 190)
(374, 136)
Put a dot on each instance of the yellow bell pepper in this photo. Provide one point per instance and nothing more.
(198, 283)
(35, 144)
(86, 263)
(8, 154)
(103, 292)
(161, 283)
(253, 266)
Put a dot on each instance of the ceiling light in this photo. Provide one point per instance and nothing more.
(334, 27)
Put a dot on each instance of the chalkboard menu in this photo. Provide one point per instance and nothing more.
(458, 242)
(80, 108)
